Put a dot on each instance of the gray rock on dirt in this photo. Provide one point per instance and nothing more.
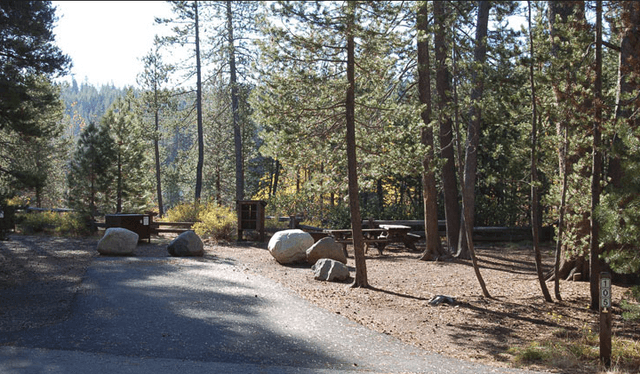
(326, 248)
(118, 241)
(290, 246)
(330, 270)
(187, 244)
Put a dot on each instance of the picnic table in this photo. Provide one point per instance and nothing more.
(370, 236)
(378, 237)
(400, 233)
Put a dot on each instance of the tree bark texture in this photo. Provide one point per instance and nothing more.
(535, 232)
(276, 176)
(596, 154)
(433, 248)
(628, 64)
(354, 199)
(473, 130)
(569, 264)
(558, 253)
(198, 190)
(466, 249)
(119, 184)
(237, 134)
(443, 88)
(156, 154)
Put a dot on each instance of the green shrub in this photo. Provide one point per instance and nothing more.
(7, 214)
(186, 212)
(534, 352)
(579, 349)
(52, 223)
(216, 222)
(338, 217)
(631, 308)
(211, 221)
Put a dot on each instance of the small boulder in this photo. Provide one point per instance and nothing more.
(440, 299)
(326, 248)
(330, 270)
(118, 241)
(187, 244)
(290, 246)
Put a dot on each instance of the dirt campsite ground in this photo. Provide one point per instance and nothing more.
(475, 328)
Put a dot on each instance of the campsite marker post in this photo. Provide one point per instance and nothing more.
(605, 319)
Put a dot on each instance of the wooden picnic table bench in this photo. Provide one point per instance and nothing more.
(400, 233)
(370, 236)
(378, 237)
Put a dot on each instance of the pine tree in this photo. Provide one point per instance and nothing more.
(89, 171)
(131, 168)
(188, 32)
(155, 99)
(618, 212)
(311, 90)
(433, 248)
(445, 121)
(27, 53)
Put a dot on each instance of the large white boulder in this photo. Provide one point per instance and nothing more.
(326, 248)
(187, 244)
(290, 246)
(118, 241)
(330, 270)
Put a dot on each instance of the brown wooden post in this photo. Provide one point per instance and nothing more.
(605, 319)
(372, 224)
(261, 218)
(239, 211)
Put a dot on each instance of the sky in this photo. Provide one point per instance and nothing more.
(107, 39)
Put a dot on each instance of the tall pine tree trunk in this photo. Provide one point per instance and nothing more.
(473, 133)
(237, 134)
(535, 232)
(380, 195)
(93, 209)
(218, 185)
(119, 183)
(563, 202)
(433, 248)
(443, 87)
(276, 176)
(156, 151)
(198, 190)
(354, 199)
(596, 169)
(473, 140)
(564, 10)
(627, 87)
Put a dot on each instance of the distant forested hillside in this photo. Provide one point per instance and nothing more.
(86, 103)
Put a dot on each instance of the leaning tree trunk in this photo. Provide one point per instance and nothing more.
(473, 140)
(535, 232)
(433, 249)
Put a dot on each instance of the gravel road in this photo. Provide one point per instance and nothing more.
(164, 315)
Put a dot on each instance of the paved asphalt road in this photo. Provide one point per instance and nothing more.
(175, 315)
